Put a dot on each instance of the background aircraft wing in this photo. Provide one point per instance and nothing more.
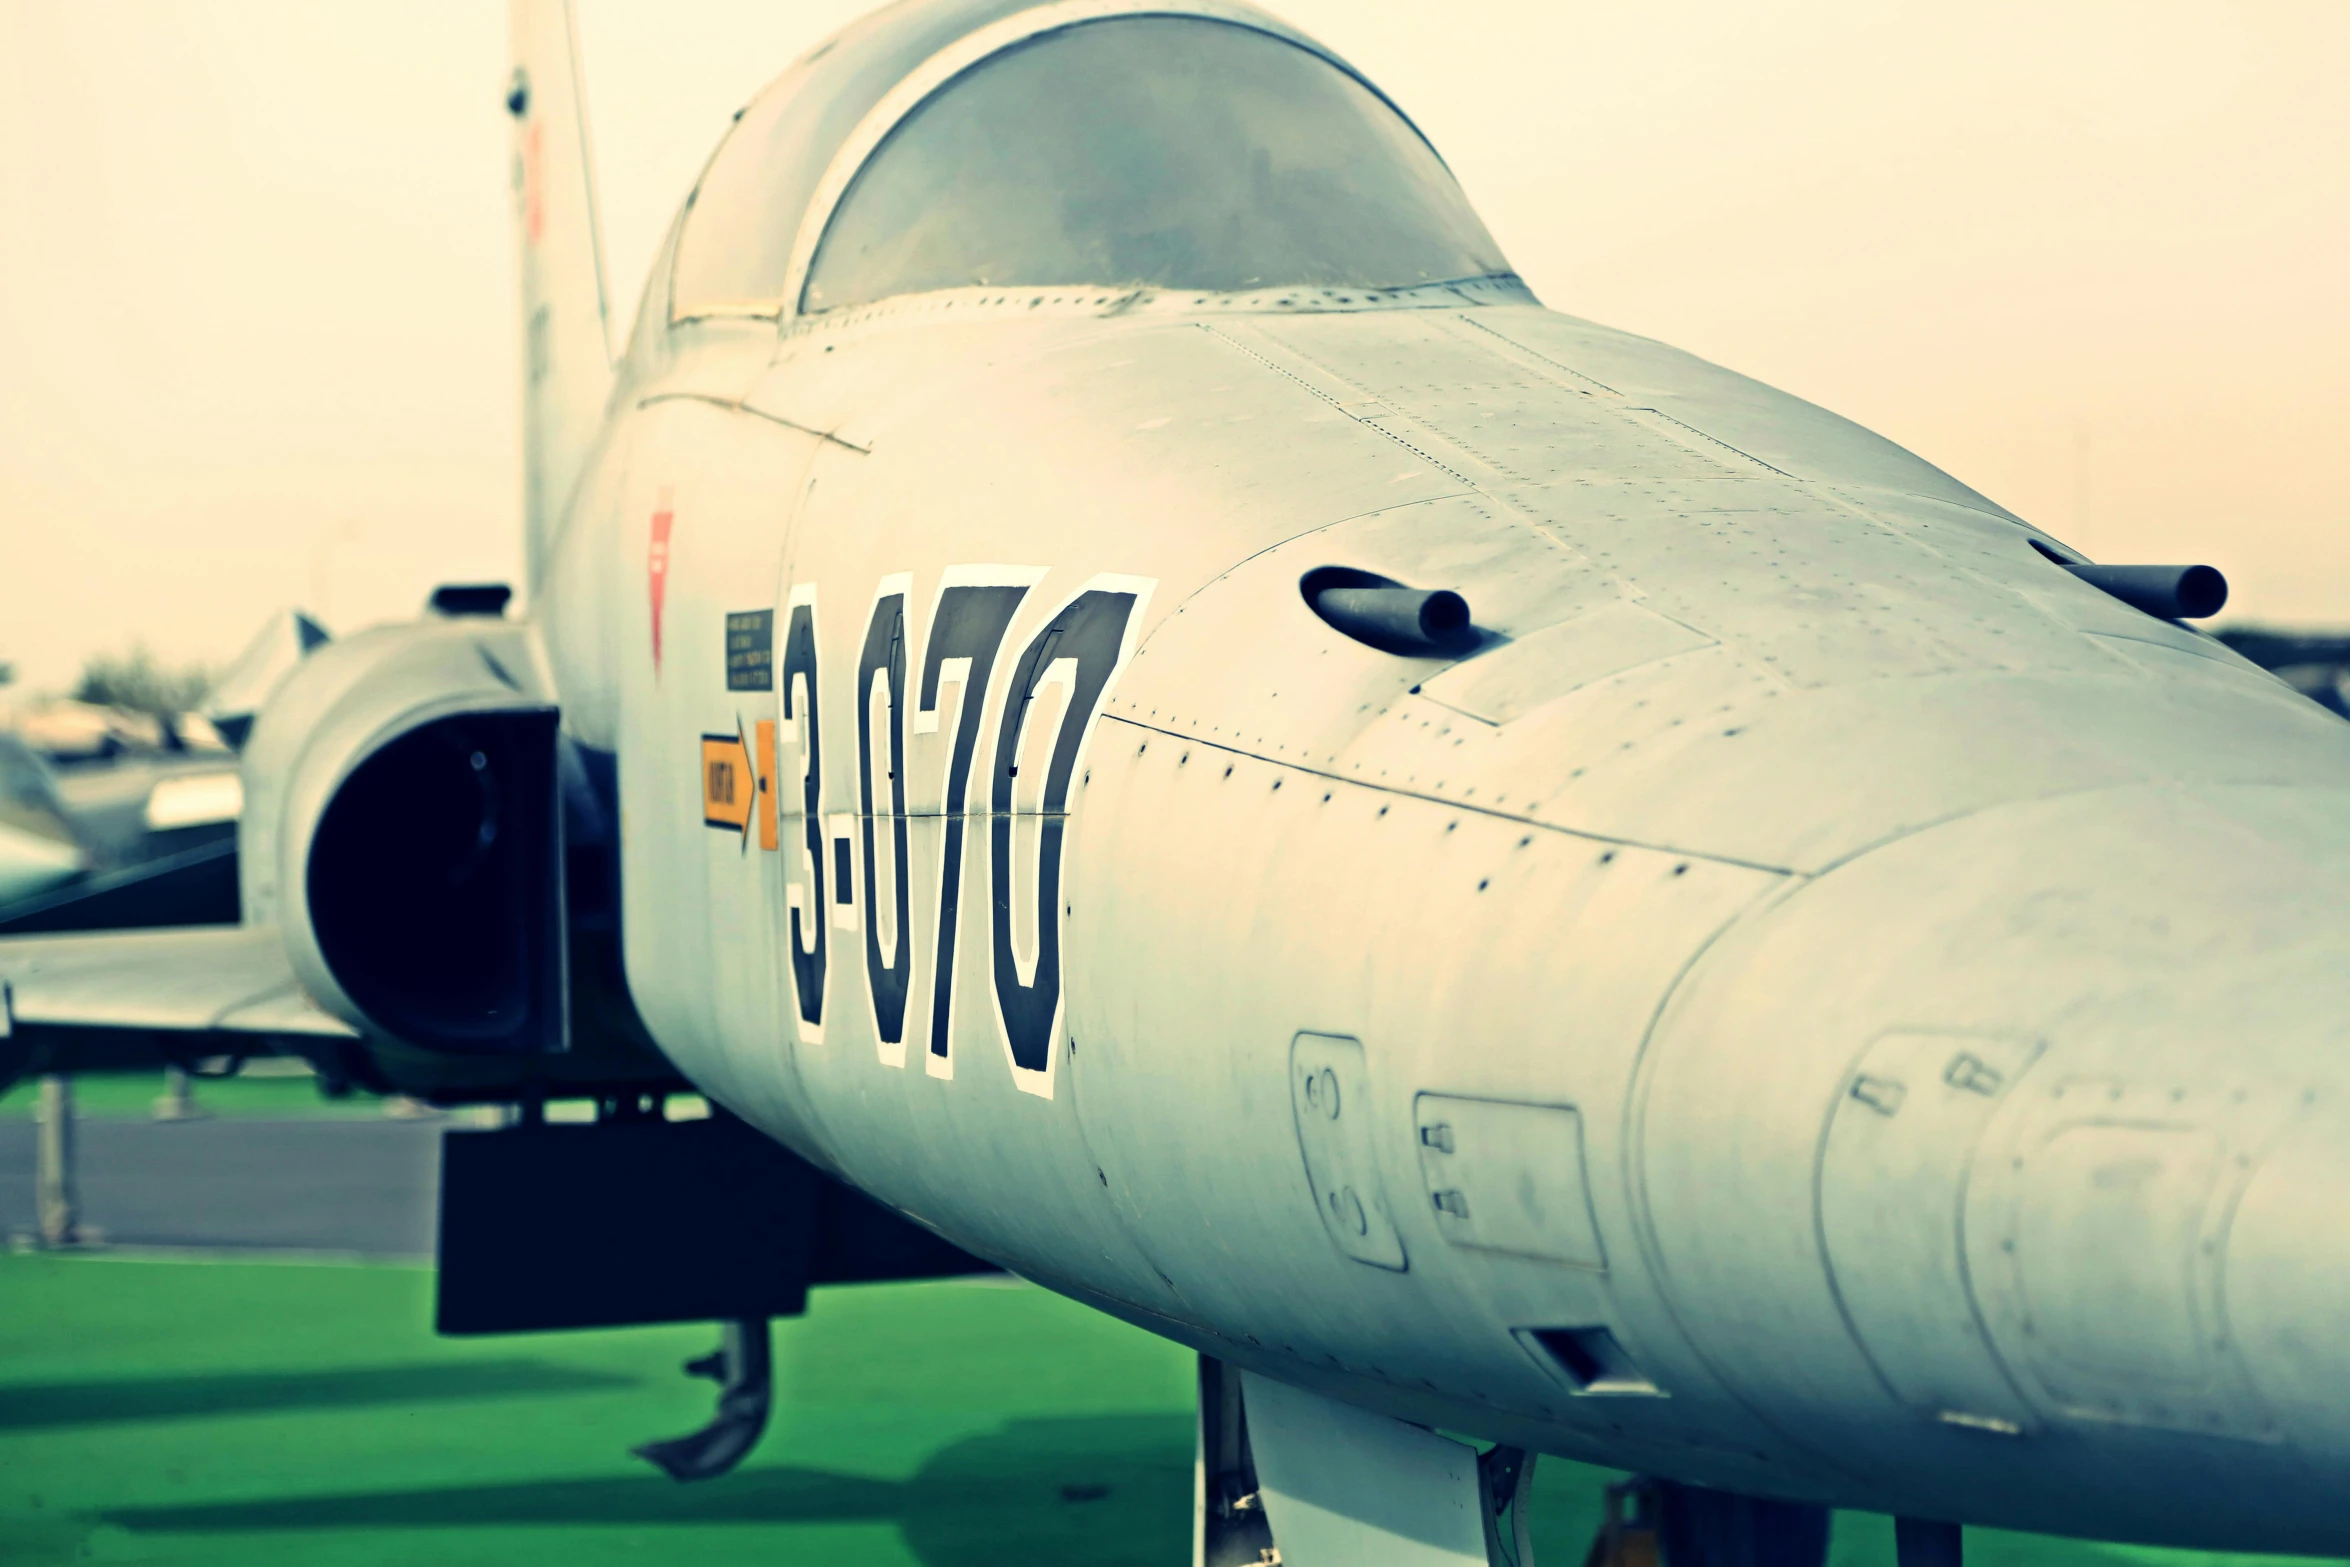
(125, 998)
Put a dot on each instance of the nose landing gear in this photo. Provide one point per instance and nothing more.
(743, 1367)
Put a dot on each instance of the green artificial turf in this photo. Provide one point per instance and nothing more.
(255, 1093)
(255, 1414)
(132, 1095)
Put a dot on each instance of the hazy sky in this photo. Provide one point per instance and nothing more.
(258, 329)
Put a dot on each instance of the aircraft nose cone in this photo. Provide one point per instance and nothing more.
(2037, 1123)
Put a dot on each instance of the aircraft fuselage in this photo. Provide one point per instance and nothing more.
(1727, 1025)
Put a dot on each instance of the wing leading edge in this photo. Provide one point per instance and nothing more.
(136, 997)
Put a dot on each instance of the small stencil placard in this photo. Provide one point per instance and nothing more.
(750, 650)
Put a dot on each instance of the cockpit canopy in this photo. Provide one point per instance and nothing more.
(1155, 150)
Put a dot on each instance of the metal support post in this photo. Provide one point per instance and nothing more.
(55, 1198)
(178, 1100)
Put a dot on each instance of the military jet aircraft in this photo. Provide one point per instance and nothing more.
(1102, 672)
(38, 846)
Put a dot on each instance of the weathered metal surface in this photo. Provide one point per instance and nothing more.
(1880, 990)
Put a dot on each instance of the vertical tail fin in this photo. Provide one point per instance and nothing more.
(567, 355)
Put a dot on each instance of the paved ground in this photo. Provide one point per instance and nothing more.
(318, 1185)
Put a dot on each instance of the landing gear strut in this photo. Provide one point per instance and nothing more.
(1659, 1523)
(743, 1367)
(1925, 1542)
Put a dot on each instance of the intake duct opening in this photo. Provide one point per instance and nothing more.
(1590, 1359)
(434, 883)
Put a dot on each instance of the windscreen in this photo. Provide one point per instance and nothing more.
(1173, 152)
(735, 251)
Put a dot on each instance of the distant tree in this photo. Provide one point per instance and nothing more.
(138, 682)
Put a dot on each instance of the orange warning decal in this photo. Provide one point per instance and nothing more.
(727, 783)
(766, 764)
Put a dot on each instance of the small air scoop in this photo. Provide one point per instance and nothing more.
(1382, 613)
(455, 599)
(2168, 592)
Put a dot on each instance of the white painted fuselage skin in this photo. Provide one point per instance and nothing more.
(1940, 964)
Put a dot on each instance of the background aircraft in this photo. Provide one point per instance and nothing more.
(38, 849)
(1530, 786)
(117, 816)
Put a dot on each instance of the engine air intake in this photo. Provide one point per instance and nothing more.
(435, 889)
